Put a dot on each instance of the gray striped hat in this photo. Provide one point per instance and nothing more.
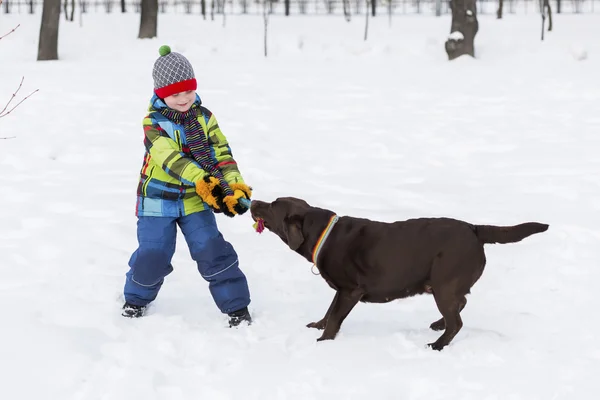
(172, 73)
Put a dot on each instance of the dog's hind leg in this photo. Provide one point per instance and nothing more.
(340, 308)
(449, 303)
(321, 324)
(440, 324)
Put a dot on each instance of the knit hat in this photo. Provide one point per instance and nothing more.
(172, 73)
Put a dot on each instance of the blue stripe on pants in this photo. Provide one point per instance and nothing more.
(216, 259)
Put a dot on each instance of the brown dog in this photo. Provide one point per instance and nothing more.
(377, 262)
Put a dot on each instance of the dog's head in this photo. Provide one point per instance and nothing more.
(284, 217)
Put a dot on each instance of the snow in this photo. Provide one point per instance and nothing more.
(372, 129)
(456, 35)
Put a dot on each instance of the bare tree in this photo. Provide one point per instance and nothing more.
(287, 7)
(266, 20)
(148, 19)
(438, 8)
(48, 45)
(500, 9)
(463, 29)
(69, 17)
(203, 8)
(347, 14)
(545, 6)
(6, 110)
(123, 6)
(367, 19)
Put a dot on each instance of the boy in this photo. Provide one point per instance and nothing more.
(188, 174)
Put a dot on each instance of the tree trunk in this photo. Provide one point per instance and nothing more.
(545, 6)
(287, 8)
(149, 19)
(367, 19)
(463, 29)
(31, 7)
(6, 6)
(549, 15)
(438, 8)
(266, 22)
(389, 9)
(72, 18)
(347, 14)
(373, 6)
(48, 46)
(558, 6)
(224, 14)
(500, 8)
(123, 6)
(203, 7)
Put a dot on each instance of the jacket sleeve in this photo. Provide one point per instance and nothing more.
(222, 151)
(165, 152)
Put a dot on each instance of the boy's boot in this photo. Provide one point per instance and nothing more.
(239, 316)
(133, 311)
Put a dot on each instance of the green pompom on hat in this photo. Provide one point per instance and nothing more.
(164, 50)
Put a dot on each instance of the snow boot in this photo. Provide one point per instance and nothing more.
(133, 311)
(239, 316)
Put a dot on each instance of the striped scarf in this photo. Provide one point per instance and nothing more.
(198, 143)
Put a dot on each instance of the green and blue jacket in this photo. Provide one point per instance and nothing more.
(167, 179)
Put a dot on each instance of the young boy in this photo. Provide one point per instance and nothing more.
(188, 174)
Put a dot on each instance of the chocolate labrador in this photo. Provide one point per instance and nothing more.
(377, 262)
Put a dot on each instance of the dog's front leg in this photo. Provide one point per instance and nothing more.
(343, 303)
(322, 323)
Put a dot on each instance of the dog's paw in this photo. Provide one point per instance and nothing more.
(436, 346)
(317, 325)
(327, 336)
(438, 325)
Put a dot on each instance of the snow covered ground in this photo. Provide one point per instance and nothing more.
(386, 129)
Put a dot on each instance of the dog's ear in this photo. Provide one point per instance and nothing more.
(292, 229)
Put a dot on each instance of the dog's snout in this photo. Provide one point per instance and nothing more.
(255, 208)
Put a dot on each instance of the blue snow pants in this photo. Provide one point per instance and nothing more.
(216, 258)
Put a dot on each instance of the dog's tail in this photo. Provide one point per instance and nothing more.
(508, 234)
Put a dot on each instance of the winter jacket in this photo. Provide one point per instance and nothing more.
(167, 179)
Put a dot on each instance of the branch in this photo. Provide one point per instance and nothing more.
(14, 29)
(4, 113)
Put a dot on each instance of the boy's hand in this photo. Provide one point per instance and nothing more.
(243, 187)
(209, 189)
(232, 204)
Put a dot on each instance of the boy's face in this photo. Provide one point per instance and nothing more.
(181, 101)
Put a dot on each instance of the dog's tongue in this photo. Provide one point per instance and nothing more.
(259, 225)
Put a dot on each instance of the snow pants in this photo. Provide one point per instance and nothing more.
(216, 259)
